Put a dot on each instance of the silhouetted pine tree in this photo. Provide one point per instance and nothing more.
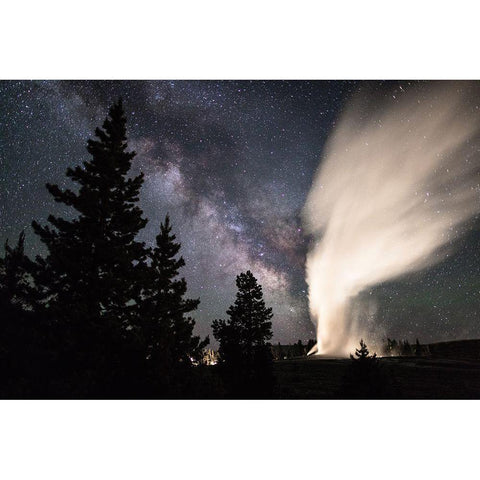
(16, 287)
(405, 348)
(310, 344)
(418, 348)
(363, 355)
(388, 347)
(244, 349)
(299, 350)
(25, 360)
(164, 323)
(89, 274)
(364, 377)
(280, 353)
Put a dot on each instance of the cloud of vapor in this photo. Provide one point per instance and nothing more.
(395, 186)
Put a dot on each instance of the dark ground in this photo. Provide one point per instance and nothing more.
(446, 370)
(450, 370)
(409, 377)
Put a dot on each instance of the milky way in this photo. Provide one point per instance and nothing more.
(232, 163)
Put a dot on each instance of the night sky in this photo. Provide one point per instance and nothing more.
(232, 163)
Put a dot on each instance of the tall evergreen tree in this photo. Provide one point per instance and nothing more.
(89, 274)
(244, 348)
(164, 321)
(93, 258)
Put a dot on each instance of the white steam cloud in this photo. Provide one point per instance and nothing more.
(394, 187)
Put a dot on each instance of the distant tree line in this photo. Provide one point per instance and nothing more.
(103, 315)
(298, 349)
(397, 348)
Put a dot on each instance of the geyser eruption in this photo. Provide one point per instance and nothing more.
(395, 186)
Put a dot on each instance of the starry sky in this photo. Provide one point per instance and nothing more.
(232, 163)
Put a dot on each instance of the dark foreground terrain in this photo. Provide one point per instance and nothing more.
(408, 378)
(449, 370)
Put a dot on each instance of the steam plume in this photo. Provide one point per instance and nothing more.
(394, 188)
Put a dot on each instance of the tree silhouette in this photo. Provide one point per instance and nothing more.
(280, 353)
(89, 276)
(25, 347)
(244, 349)
(391, 347)
(93, 258)
(299, 350)
(418, 348)
(310, 344)
(405, 348)
(363, 355)
(166, 328)
(16, 289)
(364, 377)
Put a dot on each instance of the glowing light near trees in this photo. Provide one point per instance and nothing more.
(395, 185)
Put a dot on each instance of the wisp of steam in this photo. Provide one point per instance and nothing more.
(394, 188)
